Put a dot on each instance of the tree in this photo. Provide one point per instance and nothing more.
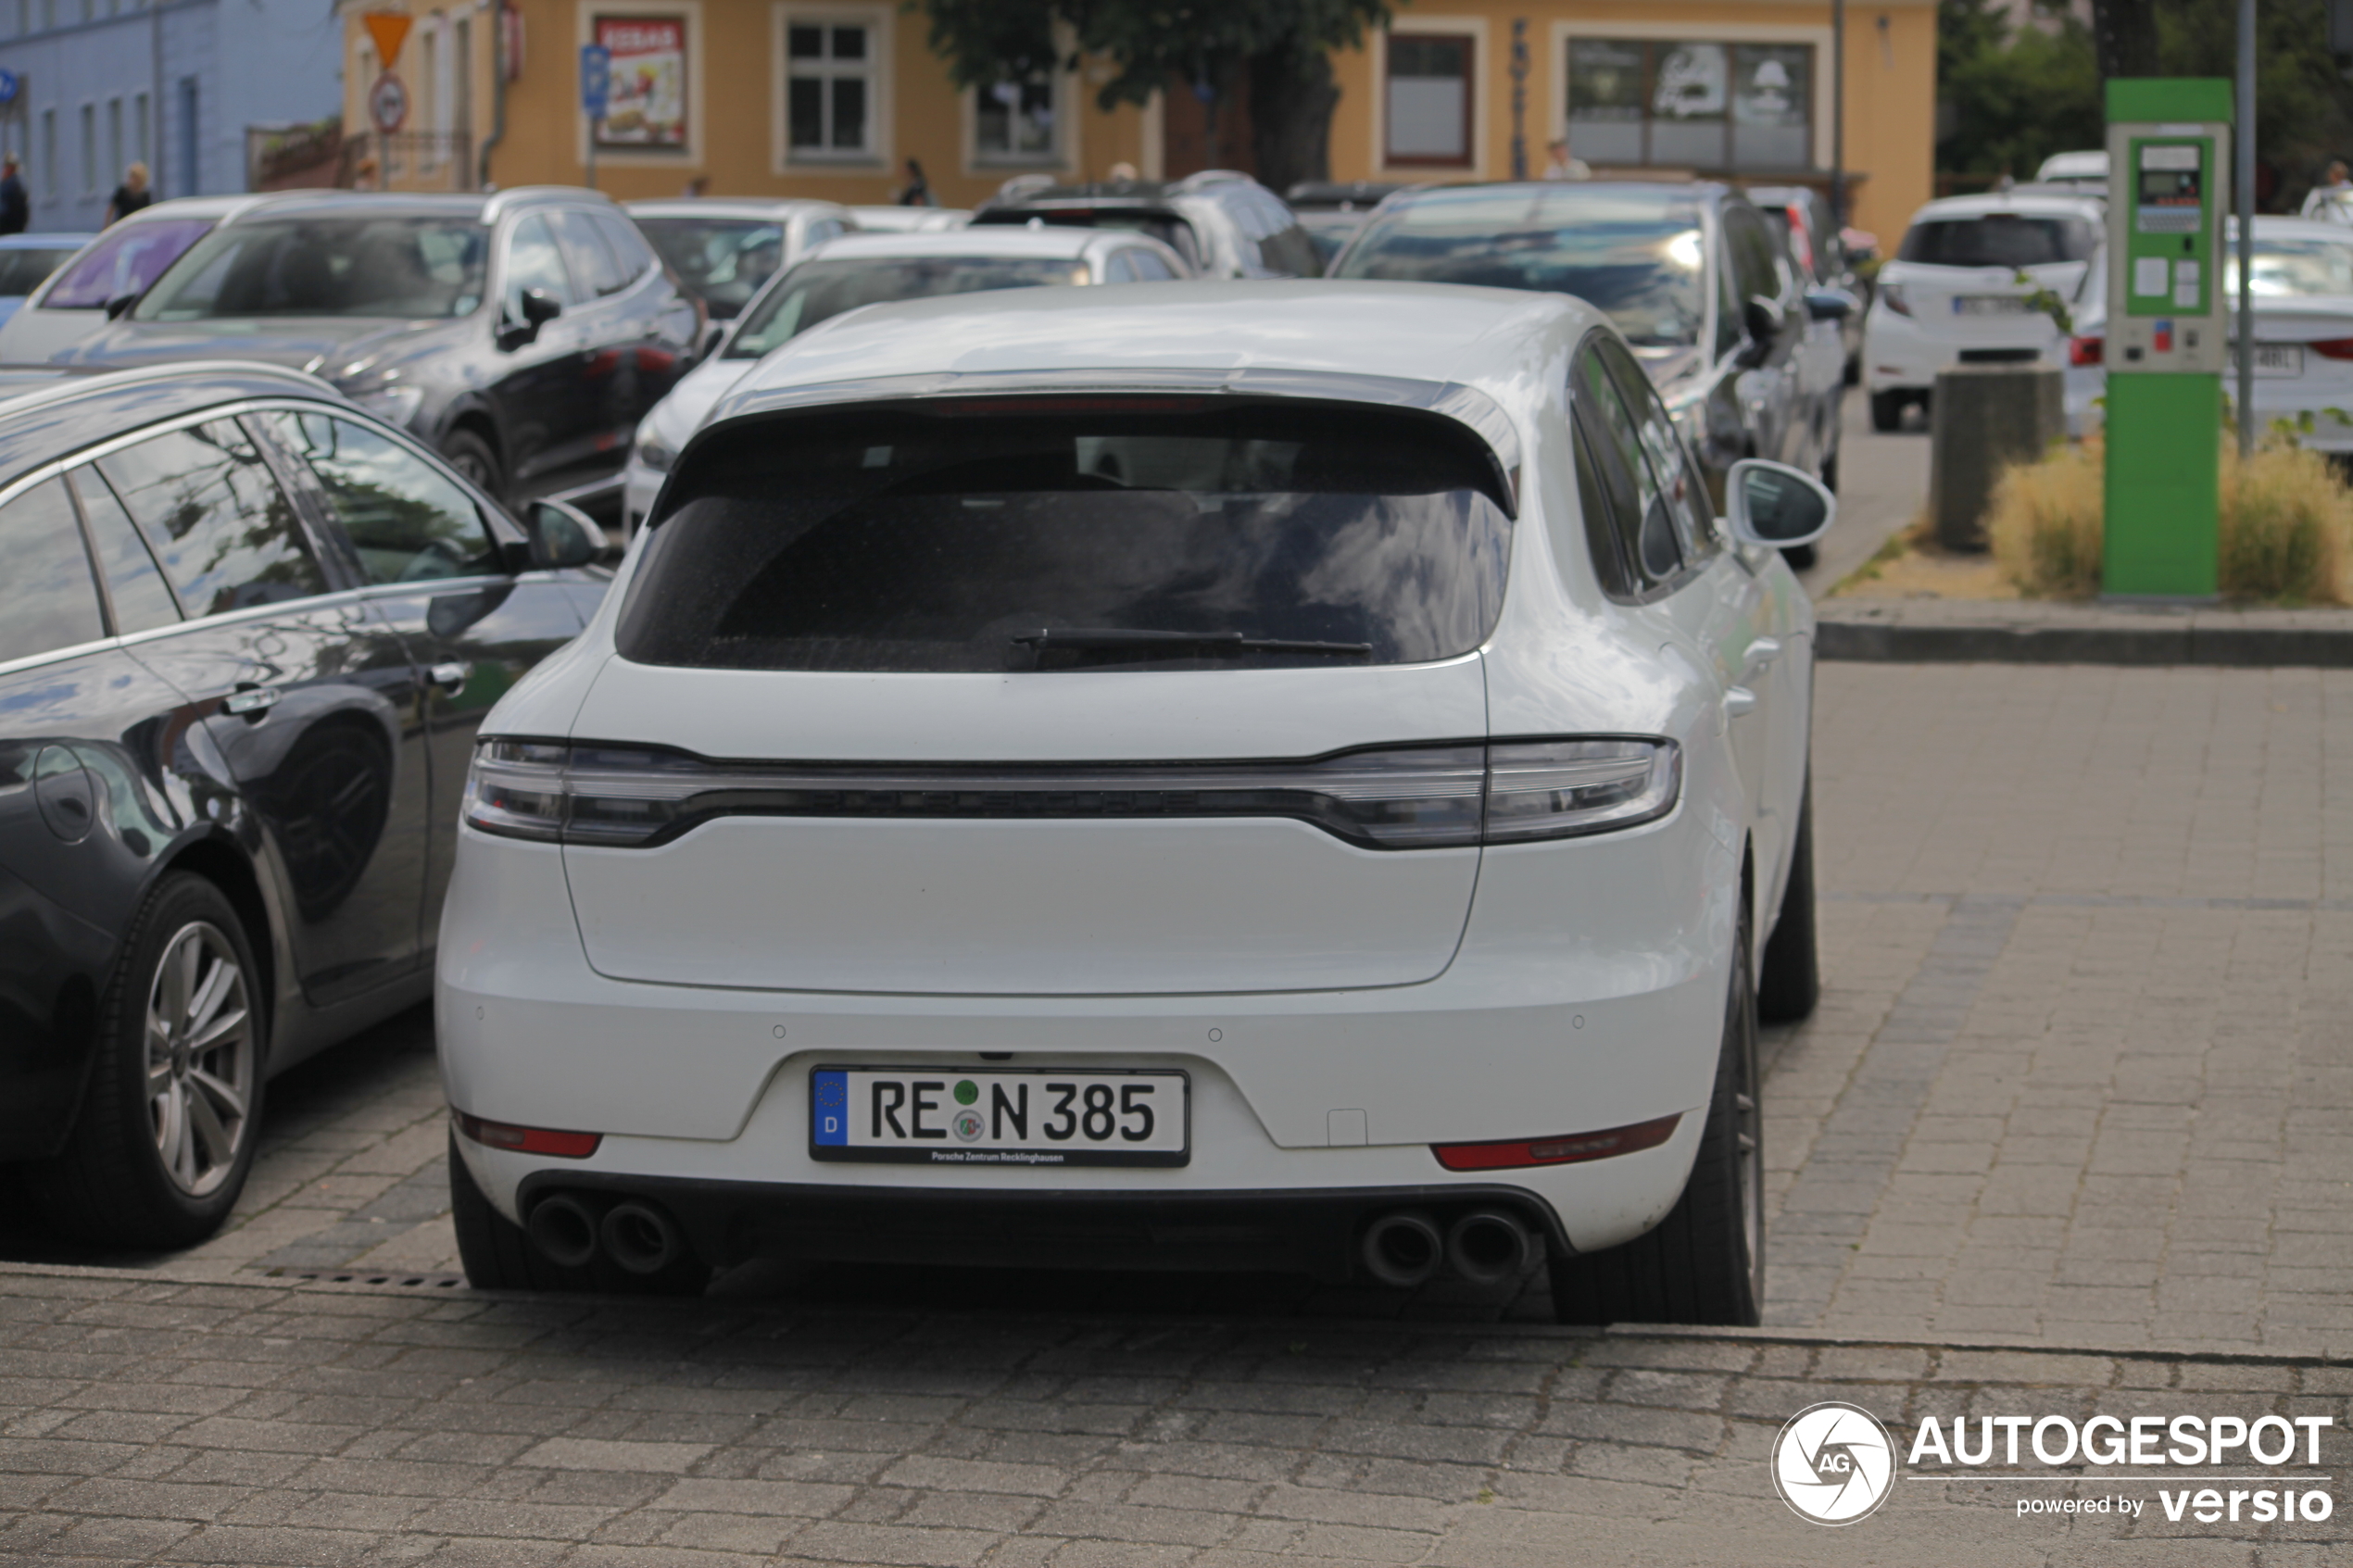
(1281, 49)
(2125, 33)
(2011, 100)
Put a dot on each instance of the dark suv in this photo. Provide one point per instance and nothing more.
(522, 334)
(1223, 224)
(246, 633)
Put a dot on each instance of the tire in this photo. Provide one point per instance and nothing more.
(148, 1166)
(1799, 557)
(1853, 375)
(498, 1255)
(1887, 411)
(471, 456)
(1703, 1263)
(1829, 475)
(1791, 981)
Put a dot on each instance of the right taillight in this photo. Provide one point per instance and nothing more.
(2332, 348)
(1447, 796)
(2082, 351)
(1892, 294)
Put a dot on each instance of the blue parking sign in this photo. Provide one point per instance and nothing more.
(595, 79)
(10, 85)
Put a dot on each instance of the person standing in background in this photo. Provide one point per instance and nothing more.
(16, 207)
(131, 196)
(1564, 165)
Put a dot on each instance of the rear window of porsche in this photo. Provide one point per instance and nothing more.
(1062, 534)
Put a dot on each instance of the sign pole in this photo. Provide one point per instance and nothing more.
(2246, 194)
(596, 89)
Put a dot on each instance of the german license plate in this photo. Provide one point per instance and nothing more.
(1988, 305)
(1044, 1116)
(2279, 360)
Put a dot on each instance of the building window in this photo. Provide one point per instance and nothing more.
(139, 124)
(830, 89)
(1690, 104)
(115, 161)
(191, 165)
(89, 150)
(645, 109)
(49, 153)
(1017, 122)
(1428, 99)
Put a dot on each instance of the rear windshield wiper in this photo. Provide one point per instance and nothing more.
(1203, 642)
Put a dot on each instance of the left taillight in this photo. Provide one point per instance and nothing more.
(2332, 348)
(2085, 351)
(527, 1140)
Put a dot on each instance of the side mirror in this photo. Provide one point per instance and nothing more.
(119, 306)
(540, 307)
(562, 536)
(1775, 505)
(1829, 304)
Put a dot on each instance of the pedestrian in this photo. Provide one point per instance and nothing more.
(16, 207)
(699, 187)
(131, 196)
(1565, 165)
(918, 191)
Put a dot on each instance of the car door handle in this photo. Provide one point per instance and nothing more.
(1738, 701)
(252, 701)
(450, 677)
(1762, 652)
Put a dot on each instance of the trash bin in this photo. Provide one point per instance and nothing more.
(1982, 418)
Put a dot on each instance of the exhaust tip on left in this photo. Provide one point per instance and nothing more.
(564, 1229)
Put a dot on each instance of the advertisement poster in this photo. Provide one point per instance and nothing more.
(648, 103)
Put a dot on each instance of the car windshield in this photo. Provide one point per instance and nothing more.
(1168, 228)
(818, 290)
(22, 271)
(125, 260)
(722, 259)
(2000, 239)
(1637, 255)
(952, 539)
(2288, 267)
(410, 268)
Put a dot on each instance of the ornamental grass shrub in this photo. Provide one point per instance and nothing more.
(2286, 525)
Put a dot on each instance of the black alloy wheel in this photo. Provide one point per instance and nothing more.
(471, 456)
(172, 1110)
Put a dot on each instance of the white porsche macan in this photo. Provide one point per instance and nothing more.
(1233, 775)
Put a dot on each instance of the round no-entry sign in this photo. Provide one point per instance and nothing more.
(388, 104)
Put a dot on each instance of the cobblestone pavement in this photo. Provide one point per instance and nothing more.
(252, 1422)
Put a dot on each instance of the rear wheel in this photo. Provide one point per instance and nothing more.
(173, 1106)
(498, 1255)
(471, 455)
(1704, 1264)
(1791, 982)
(1887, 411)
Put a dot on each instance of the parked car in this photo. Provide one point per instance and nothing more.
(1691, 275)
(2303, 290)
(1801, 216)
(520, 334)
(909, 220)
(858, 270)
(246, 633)
(2085, 172)
(1332, 210)
(88, 290)
(26, 262)
(1959, 291)
(1223, 224)
(1062, 765)
(721, 250)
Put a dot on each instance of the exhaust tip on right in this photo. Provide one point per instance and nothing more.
(564, 1229)
(1487, 1246)
(641, 1238)
(1403, 1248)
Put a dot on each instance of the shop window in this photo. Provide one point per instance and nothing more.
(1017, 121)
(1428, 99)
(1690, 104)
(833, 94)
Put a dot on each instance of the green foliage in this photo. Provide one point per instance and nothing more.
(2304, 108)
(2014, 98)
(2048, 301)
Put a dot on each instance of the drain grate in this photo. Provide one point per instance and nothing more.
(330, 1277)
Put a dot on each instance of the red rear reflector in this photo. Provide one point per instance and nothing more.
(1564, 1150)
(2333, 348)
(2084, 350)
(528, 1140)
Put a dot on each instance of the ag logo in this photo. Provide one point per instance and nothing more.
(1833, 1462)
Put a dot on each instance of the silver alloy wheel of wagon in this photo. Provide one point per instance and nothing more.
(200, 1058)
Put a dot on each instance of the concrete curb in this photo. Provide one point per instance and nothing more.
(1946, 632)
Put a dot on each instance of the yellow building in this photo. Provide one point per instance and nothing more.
(806, 98)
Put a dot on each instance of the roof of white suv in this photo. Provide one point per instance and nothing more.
(1053, 244)
(1501, 341)
(1946, 208)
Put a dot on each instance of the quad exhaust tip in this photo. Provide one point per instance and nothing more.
(640, 1238)
(564, 1229)
(1403, 1248)
(1487, 1246)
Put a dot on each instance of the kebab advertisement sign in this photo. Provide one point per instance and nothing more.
(646, 106)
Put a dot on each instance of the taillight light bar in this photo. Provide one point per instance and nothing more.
(2332, 348)
(1438, 796)
(527, 1140)
(1571, 1149)
(2083, 351)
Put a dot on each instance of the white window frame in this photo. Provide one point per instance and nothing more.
(1061, 157)
(879, 155)
(1483, 69)
(1821, 38)
(695, 152)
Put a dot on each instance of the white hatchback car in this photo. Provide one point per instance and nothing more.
(1254, 776)
(1957, 290)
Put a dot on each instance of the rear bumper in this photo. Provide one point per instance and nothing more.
(1902, 355)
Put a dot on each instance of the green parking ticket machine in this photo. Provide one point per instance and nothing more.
(2168, 157)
